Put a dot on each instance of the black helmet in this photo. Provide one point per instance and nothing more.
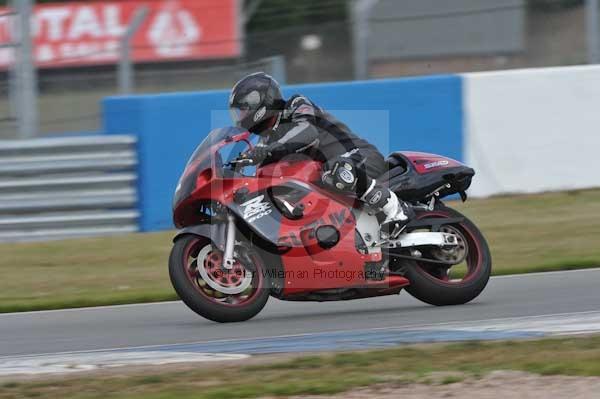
(255, 101)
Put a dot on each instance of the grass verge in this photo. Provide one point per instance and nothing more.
(533, 233)
(327, 374)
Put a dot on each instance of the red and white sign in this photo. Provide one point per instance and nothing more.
(88, 33)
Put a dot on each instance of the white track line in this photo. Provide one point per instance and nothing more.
(65, 364)
(132, 305)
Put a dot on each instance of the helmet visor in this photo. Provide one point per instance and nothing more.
(238, 114)
(241, 109)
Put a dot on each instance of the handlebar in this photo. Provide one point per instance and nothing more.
(245, 159)
(242, 160)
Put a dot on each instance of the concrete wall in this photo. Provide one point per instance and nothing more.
(433, 28)
(533, 130)
(420, 114)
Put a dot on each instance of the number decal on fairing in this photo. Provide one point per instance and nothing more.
(255, 209)
(436, 164)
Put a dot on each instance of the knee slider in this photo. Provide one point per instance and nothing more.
(377, 197)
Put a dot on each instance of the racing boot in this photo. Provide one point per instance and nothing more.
(397, 212)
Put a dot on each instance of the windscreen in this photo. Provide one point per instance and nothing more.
(200, 160)
(214, 137)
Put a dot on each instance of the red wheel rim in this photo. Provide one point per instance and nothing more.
(473, 261)
(227, 278)
(231, 278)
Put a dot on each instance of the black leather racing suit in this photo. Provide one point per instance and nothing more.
(305, 128)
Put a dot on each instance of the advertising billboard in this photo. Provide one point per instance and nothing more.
(88, 33)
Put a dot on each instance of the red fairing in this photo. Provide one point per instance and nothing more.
(427, 163)
(307, 265)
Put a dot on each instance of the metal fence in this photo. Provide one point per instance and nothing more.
(71, 101)
(67, 187)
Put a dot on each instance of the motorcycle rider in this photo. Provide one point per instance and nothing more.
(298, 126)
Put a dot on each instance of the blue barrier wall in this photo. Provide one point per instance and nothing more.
(423, 114)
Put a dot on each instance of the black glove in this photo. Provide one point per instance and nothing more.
(259, 153)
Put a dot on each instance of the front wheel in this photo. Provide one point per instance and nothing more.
(218, 294)
(442, 285)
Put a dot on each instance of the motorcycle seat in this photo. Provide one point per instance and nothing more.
(395, 165)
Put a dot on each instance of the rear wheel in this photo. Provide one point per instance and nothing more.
(216, 293)
(458, 284)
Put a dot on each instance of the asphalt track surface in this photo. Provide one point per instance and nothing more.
(172, 323)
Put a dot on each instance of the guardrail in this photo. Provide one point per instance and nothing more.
(68, 187)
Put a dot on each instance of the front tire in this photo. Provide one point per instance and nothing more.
(190, 282)
(430, 283)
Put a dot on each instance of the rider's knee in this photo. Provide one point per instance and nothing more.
(376, 196)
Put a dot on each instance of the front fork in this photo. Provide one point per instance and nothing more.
(228, 258)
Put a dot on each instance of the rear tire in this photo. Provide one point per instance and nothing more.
(193, 295)
(426, 287)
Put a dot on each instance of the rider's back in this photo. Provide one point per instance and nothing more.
(335, 137)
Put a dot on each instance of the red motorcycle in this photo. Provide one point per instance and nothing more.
(247, 233)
